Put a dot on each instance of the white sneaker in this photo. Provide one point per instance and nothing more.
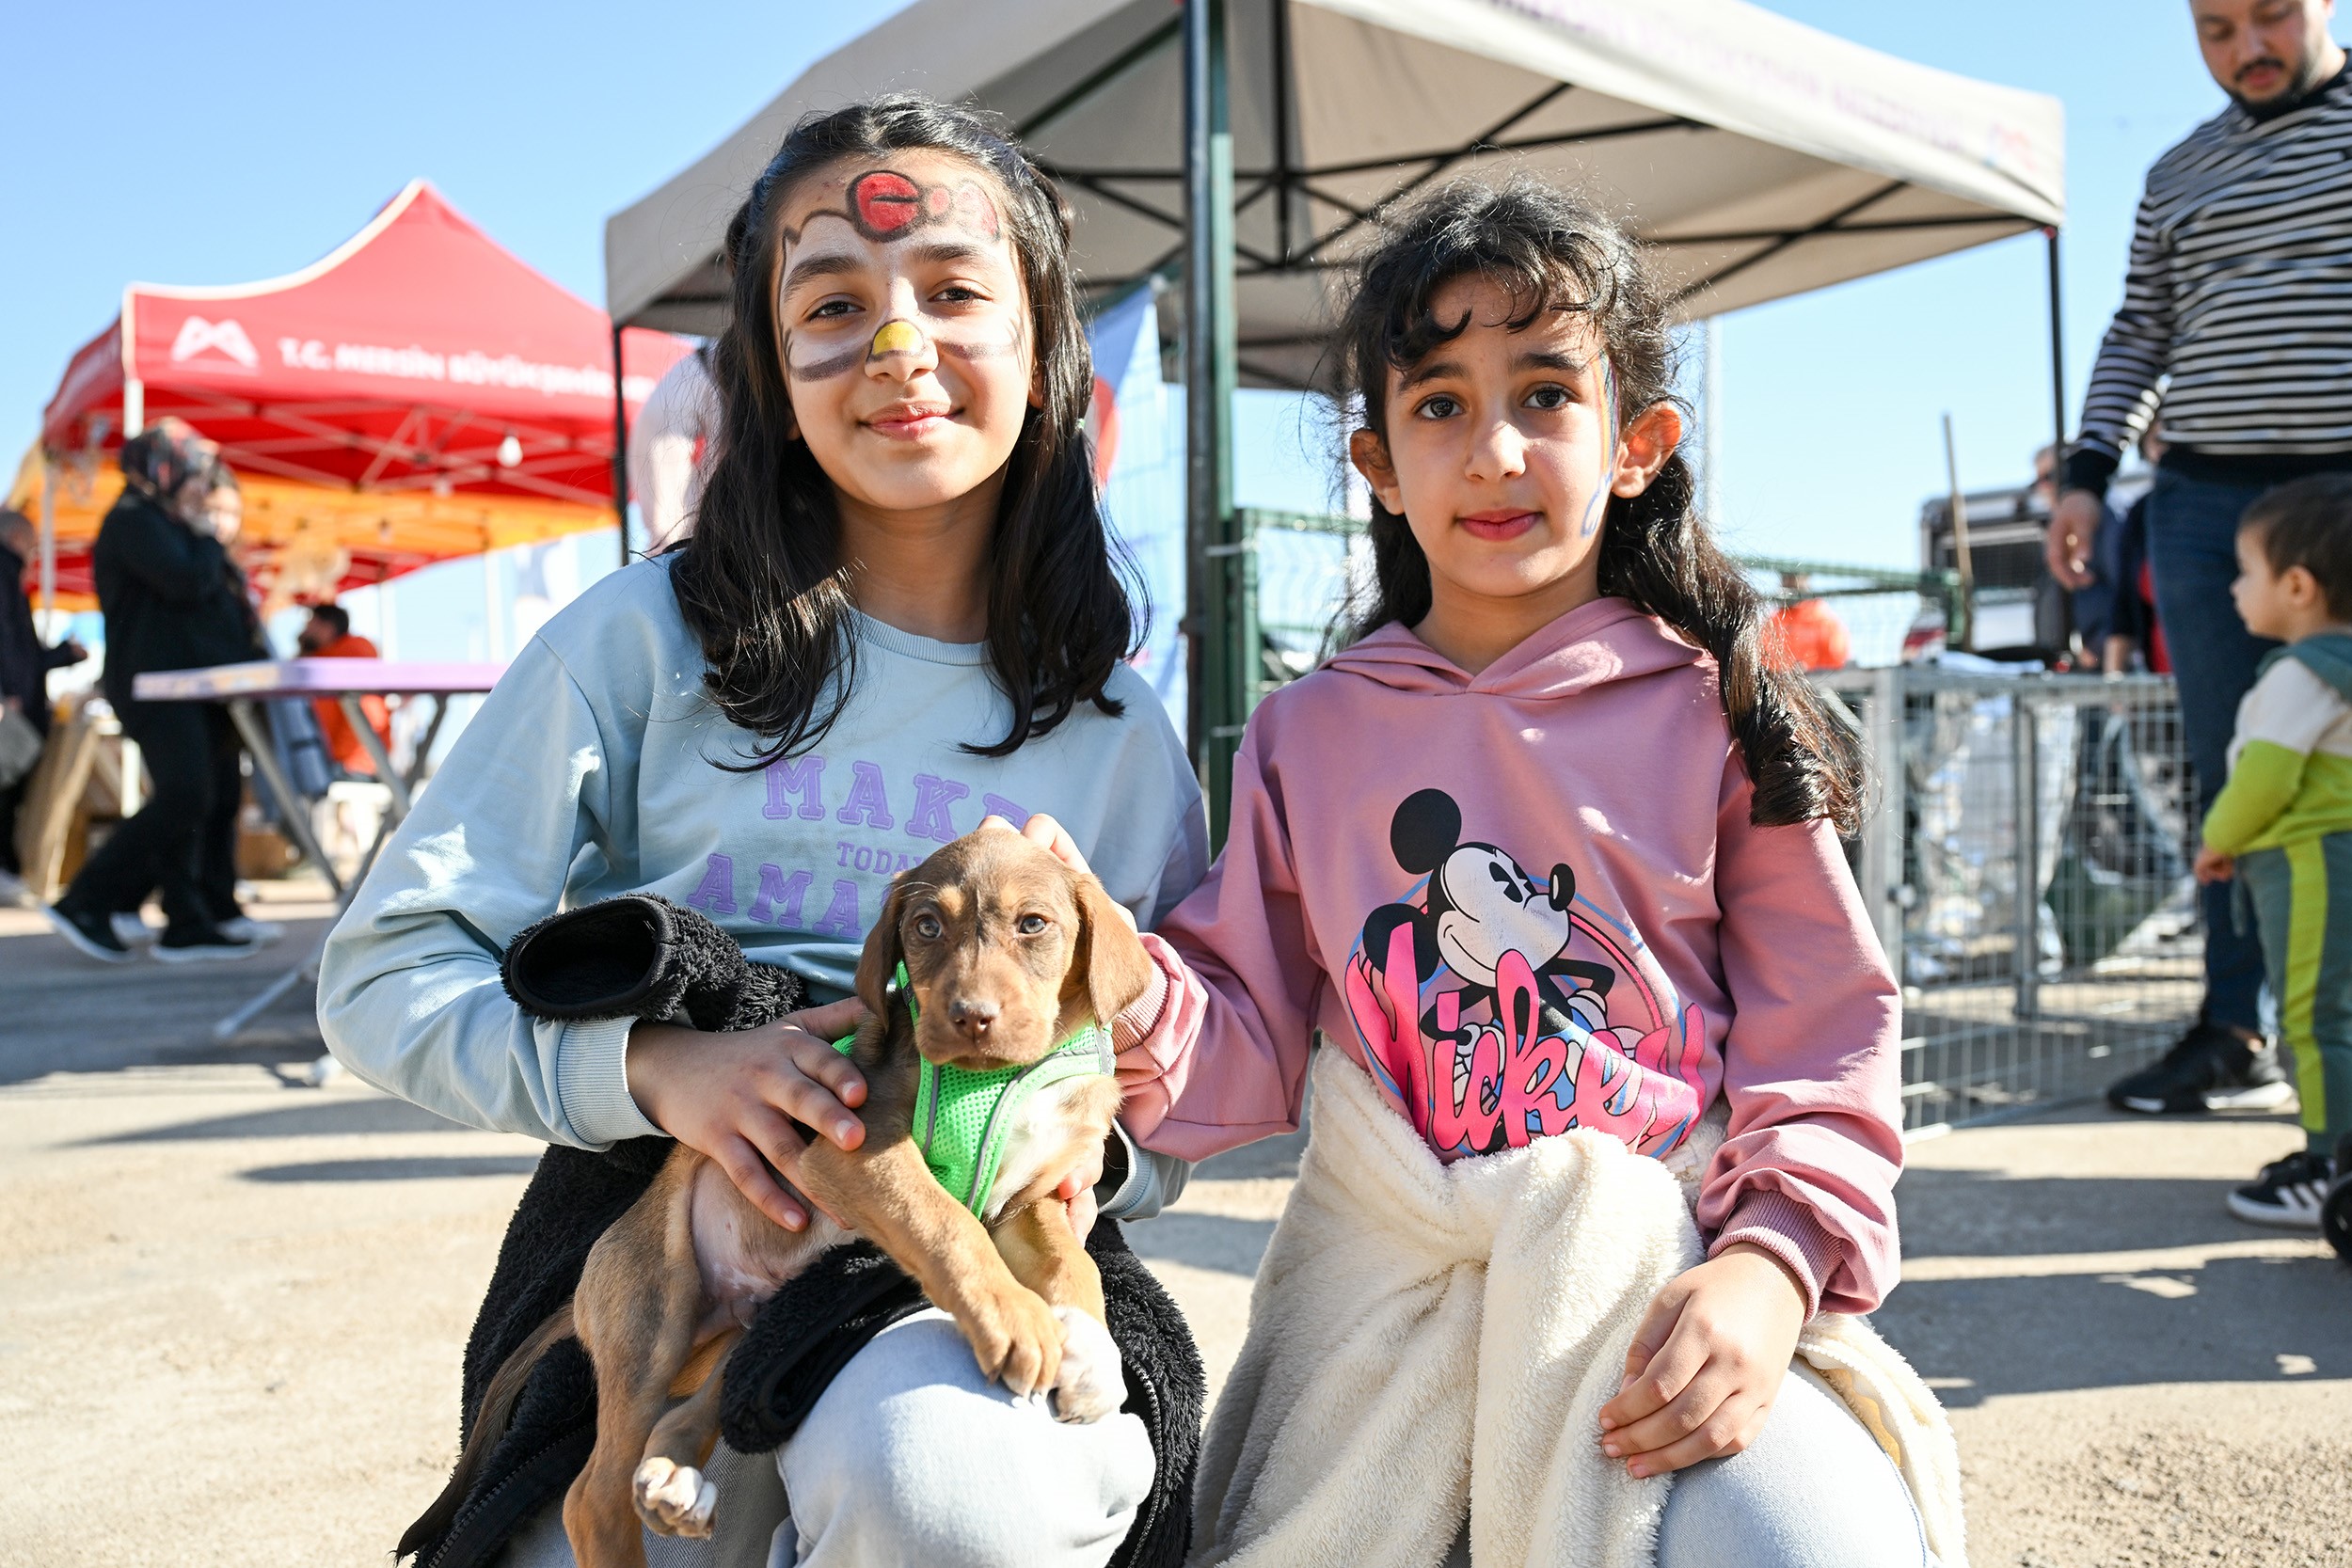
(14, 894)
(130, 929)
(247, 929)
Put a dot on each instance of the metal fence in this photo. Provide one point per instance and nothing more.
(2027, 859)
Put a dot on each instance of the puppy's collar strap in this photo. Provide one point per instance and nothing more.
(964, 1118)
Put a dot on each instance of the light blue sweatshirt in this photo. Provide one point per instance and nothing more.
(590, 770)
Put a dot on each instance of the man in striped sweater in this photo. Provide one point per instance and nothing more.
(2238, 301)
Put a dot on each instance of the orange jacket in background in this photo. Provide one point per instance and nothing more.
(1814, 636)
(342, 741)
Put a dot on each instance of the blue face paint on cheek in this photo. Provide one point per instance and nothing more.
(1599, 502)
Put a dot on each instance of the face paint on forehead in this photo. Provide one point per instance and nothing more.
(884, 205)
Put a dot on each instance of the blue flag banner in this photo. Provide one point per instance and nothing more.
(1139, 463)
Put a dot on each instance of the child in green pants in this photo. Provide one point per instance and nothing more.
(2282, 825)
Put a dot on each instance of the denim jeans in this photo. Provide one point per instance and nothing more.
(2192, 548)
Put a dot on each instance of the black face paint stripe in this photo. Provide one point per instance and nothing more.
(820, 369)
(975, 351)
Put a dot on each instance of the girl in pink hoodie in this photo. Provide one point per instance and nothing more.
(1554, 844)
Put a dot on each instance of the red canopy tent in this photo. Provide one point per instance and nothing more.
(420, 364)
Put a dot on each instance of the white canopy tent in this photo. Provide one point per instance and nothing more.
(1758, 158)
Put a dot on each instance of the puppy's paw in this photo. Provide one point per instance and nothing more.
(1014, 1338)
(1093, 1384)
(674, 1500)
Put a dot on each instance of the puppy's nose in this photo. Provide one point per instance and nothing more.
(972, 1019)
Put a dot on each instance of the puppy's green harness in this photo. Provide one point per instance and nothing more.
(964, 1118)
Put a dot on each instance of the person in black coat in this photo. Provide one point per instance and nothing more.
(25, 663)
(173, 600)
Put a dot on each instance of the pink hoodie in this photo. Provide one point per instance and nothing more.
(1531, 901)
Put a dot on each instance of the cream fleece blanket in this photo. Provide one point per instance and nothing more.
(1428, 1340)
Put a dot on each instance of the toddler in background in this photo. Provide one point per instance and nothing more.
(2282, 825)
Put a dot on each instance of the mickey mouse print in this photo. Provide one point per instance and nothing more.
(1500, 1006)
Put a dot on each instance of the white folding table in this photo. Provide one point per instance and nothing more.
(242, 688)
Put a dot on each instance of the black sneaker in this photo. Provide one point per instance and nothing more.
(91, 934)
(2210, 1069)
(200, 945)
(2288, 1193)
(2335, 1214)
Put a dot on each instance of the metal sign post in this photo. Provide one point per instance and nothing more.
(1219, 656)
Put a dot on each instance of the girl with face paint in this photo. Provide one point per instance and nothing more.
(896, 615)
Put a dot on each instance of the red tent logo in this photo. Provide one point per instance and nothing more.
(199, 336)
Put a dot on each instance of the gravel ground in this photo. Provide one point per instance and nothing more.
(2136, 1377)
(250, 1297)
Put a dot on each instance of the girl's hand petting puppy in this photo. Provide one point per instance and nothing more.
(735, 1095)
(1052, 837)
(1706, 1364)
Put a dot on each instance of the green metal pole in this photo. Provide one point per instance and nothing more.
(1217, 607)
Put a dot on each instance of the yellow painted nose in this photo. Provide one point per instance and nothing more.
(896, 336)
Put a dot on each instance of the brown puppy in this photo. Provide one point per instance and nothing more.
(1007, 952)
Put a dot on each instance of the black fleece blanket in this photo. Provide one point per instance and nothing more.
(639, 956)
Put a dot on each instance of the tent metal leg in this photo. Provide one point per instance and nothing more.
(47, 549)
(230, 1027)
(2057, 350)
(1221, 662)
(620, 446)
(403, 790)
(290, 807)
(373, 744)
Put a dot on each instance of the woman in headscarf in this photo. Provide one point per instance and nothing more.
(173, 600)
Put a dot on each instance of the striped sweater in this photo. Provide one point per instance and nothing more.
(2239, 292)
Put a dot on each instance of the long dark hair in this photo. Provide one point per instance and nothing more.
(762, 580)
(1554, 253)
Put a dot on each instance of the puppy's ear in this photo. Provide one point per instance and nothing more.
(1111, 959)
(879, 962)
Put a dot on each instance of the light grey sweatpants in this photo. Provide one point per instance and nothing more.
(1813, 1490)
(910, 1457)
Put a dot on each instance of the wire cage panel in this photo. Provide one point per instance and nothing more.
(2026, 862)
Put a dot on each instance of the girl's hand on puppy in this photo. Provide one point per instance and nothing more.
(1047, 835)
(1706, 1364)
(735, 1097)
(1052, 837)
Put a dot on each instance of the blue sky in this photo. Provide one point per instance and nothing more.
(143, 145)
